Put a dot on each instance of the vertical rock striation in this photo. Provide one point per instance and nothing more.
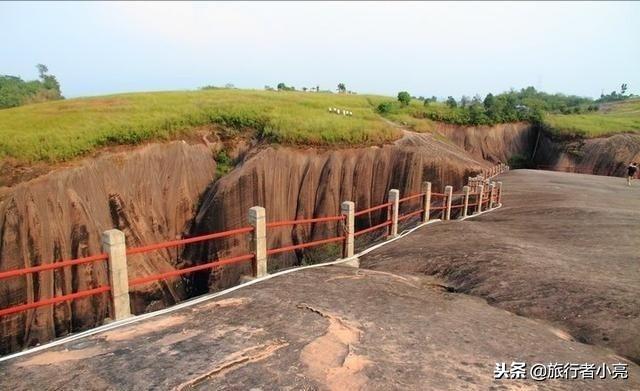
(150, 194)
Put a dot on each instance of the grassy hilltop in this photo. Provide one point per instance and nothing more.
(610, 118)
(63, 130)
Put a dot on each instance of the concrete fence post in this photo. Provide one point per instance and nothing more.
(499, 201)
(394, 198)
(479, 203)
(426, 205)
(492, 189)
(465, 209)
(347, 209)
(258, 220)
(448, 192)
(113, 243)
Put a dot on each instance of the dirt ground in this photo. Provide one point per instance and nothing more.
(396, 327)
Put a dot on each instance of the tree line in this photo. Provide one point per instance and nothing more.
(526, 104)
(16, 92)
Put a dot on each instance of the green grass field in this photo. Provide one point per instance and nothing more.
(411, 115)
(62, 130)
(619, 117)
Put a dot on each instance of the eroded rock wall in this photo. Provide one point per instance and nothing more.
(602, 156)
(295, 184)
(496, 143)
(162, 192)
(150, 193)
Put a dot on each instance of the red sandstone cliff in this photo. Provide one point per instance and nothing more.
(150, 194)
(153, 193)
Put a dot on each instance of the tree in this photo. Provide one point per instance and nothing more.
(342, 88)
(304, 89)
(284, 87)
(623, 88)
(464, 101)
(451, 102)
(404, 98)
(15, 92)
(489, 101)
(42, 70)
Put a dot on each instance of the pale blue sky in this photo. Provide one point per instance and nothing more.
(426, 48)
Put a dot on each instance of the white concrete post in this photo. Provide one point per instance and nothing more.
(347, 209)
(448, 191)
(499, 201)
(479, 203)
(426, 205)
(394, 198)
(258, 220)
(465, 209)
(492, 188)
(113, 243)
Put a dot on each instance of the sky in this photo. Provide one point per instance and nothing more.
(427, 49)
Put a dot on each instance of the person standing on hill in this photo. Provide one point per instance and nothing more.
(631, 172)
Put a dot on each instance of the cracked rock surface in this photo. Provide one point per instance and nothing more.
(329, 328)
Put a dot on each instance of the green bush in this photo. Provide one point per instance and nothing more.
(404, 98)
(385, 107)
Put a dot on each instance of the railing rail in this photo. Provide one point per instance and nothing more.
(484, 193)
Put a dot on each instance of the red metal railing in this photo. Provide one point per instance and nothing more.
(305, 221)
(58, 299)
(54, 300)
(409, 215)
(304, 245)
(191, 269)
(411, 197)
(372, 209)
(195, 239)
(174, 273)
(51, 266)
(373, 228)
(224, 261)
